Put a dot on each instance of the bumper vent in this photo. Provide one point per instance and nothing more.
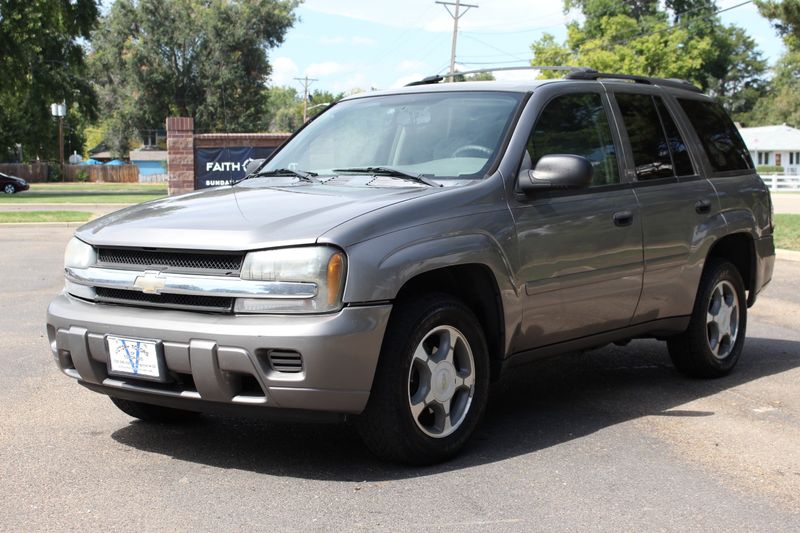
(189, 261)
(285, 361)
(214, 304)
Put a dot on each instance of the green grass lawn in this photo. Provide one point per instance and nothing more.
(144, 188)
(787, 232)
(87, 193)
(43, 216)
(65, 197)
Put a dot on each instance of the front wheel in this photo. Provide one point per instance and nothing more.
(712, 344)
(9, 189)
(431, 385)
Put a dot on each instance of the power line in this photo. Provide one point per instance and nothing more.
(484, 43)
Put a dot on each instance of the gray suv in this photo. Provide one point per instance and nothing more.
(407, 247)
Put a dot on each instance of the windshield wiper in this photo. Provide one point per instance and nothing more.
(393, 172)
(307, 176)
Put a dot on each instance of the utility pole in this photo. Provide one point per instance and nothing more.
(61, 146)
(456, 14)
(59, 111)
(305, 82)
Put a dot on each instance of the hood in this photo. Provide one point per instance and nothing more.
(246, 216)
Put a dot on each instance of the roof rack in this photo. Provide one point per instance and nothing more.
(646, 80)
(440, 77)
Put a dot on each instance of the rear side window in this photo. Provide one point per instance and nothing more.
(680, 154)
(576, 124)
(651, 155)
(657, 145)
(718, 135)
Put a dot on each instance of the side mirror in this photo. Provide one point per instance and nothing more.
(253, 165)
(557, 171)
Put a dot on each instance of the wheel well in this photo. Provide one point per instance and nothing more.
(739, 249)
(482, 296)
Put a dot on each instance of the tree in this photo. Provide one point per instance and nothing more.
(201, 58)
(285, 106)
(42, 62)
(684, 40)
(782, 103)
(633, 37)
(785, 17)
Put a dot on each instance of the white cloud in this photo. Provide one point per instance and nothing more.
(405, 80)
(332, 40)
(497, 15)
(362, 41)
(326, 68)
(357, 80)
(410, 65)
(283, 70)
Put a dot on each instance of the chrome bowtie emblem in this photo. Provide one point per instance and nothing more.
(151, 282)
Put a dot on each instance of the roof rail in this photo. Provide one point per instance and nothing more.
(440, 77)
(664, 82)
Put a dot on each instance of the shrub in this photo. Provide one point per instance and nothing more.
(769, 169)
(82, 175)
(53, 172)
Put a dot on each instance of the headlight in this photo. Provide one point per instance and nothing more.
(323, 268)
(79, 254)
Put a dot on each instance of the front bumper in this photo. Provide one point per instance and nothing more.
(213, 359)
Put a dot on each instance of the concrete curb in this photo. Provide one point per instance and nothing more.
(789, 255)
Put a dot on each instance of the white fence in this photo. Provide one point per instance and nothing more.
(154, 178)
(782, 182)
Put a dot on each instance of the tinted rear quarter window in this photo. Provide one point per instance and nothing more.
(651, 155)
(680, 154)
(720, 139)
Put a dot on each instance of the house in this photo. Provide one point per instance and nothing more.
(774, 146)
(150, 161)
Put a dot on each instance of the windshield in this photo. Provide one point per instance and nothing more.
(441, 135)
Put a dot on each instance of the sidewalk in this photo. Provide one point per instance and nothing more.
(786, 203)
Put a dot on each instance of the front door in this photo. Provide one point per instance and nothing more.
(580, 252)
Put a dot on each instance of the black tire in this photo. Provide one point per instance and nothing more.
(154, 413)
(692, 352)
(9, 188)
(387, 425)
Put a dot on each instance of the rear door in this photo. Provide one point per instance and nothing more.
(677, 204)
(580, 251)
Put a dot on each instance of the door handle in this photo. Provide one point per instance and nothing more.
(623, 218)
(703, 207)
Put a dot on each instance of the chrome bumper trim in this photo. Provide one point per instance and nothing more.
(157, 282)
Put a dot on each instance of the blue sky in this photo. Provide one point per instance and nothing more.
(360, 44)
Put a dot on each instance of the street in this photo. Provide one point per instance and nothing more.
(610, 440)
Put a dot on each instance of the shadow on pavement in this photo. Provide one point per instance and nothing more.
(540, 406)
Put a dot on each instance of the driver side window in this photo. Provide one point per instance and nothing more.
(576, 124)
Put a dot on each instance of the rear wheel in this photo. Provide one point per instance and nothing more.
(154, 413)
(431, 384)
(712, 344)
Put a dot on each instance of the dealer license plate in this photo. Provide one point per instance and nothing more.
(134, 357)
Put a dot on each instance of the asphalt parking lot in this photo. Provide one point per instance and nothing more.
(612, 439)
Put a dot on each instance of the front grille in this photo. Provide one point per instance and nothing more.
(215, 304)
(209, 262)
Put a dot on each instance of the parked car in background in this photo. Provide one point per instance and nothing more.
(12, 184)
